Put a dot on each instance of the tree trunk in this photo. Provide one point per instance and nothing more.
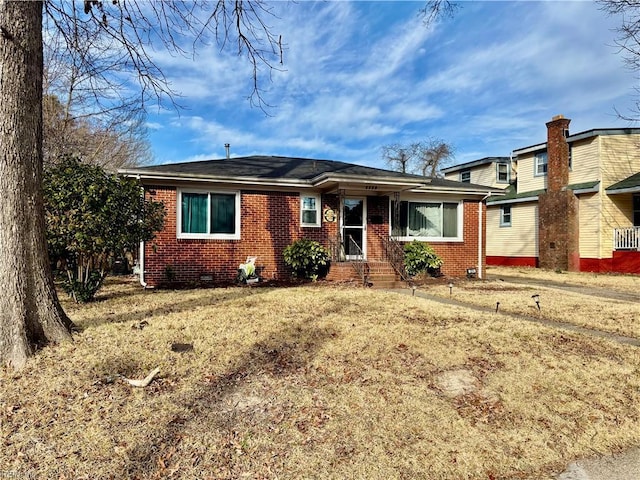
(30, 313)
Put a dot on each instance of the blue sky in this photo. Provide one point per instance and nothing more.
(360, 75)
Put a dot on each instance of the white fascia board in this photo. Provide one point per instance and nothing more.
(635, 189)
(362, 180)
(150, 177)
(533, 148)
(513, 200)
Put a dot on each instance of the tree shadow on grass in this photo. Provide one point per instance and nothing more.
(138, 314)
(280, 355)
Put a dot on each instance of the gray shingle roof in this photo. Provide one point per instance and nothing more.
(271, 167)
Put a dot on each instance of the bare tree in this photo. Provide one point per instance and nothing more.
(628, 40)
(422, 158)
(432, 156)
(399, 157)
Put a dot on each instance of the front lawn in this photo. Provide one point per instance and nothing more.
(313, 382)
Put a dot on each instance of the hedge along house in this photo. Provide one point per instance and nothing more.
(219, 212)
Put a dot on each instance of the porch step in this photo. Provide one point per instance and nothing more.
(381, 274)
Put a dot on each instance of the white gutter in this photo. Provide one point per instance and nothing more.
(480, 272)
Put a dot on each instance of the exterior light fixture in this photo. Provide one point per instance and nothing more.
(450, 288)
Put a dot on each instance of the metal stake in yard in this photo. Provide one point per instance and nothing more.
(536, 298)
(497, 306)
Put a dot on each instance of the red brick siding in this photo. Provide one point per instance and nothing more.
(458, 256)
(269, 222)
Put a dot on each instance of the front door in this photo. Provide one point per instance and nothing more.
(354, 228)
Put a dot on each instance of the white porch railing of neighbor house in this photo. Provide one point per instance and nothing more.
(626, 238)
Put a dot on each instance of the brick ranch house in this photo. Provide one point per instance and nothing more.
(219, 212)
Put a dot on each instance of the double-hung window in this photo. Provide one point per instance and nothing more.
(505, 216)
(502, 173)
(208, 214)
(310, 210)
(465, 176)
(540, 164)
(427, 221)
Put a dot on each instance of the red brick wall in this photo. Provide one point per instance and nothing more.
(458, 256)
(270, 222)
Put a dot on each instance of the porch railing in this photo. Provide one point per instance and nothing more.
(626, 238)
(394, 254)
(356, 257)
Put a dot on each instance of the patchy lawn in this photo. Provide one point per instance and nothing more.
(582, 306)
(313, 382)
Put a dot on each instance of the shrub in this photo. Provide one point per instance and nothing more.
(307, 258)
(92, 217)
(419, 257)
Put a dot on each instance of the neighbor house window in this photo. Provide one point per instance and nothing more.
(502, 172)
(636, 210)
(505, 216)
(465, 176)
(310, 210)
(540, 164)
(427, 220)
(203, 214)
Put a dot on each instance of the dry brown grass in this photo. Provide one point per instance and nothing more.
(583, 307)
(313, 382)
(616, 282)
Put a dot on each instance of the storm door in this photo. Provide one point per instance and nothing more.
(354, 228)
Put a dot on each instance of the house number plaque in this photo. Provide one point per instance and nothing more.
(329, 215)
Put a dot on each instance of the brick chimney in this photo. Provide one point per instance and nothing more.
(558, 222)
(557, 154)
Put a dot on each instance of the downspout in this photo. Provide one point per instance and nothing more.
(141, 254)
(480, 272)
(141, 266)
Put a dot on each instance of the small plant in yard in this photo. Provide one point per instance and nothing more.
(419, 258)
(307, 258)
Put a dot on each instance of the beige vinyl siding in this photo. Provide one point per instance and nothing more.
(527, 182)
(617, 212)
(590, 222)
(620, 156)
(486, 175)
(585, 161)
(518, 240)
(481, 175)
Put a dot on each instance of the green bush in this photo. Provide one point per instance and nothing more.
(307, 258)
(419, 258)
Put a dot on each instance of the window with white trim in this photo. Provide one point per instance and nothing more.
(465, 176)
(505, 216)
(208, 214)
(310, 210)
(540, 164)
(502, 173)
(427, 221)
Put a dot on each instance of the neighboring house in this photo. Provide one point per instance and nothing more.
(575, 204)
(496, 172)
(219, 212)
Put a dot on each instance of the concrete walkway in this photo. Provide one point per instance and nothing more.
(624, 466)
